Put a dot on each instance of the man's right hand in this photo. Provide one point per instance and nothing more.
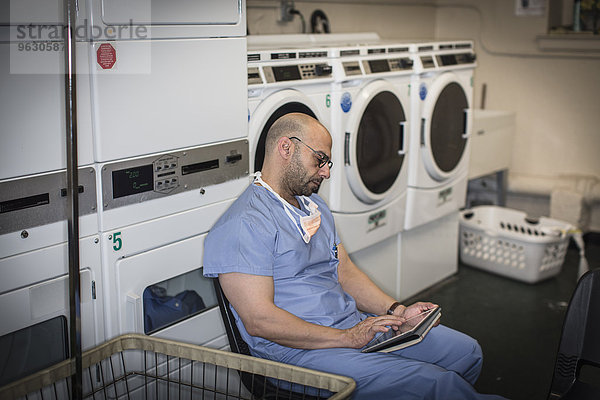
(362, 333)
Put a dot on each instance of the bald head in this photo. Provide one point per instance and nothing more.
(293, 167)
(293, 124)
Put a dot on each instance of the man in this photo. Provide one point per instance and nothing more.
(296, 294)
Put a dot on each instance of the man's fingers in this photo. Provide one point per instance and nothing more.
(387, 321)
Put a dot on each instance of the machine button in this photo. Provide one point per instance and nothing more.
(407, 63)
(323, 69)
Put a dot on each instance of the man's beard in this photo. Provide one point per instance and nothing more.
(296, 178)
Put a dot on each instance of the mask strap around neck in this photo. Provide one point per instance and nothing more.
(258, 179)
(287, 206)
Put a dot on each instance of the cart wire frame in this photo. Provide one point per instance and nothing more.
(135, 366)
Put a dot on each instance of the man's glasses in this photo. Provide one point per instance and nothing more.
(323, 158)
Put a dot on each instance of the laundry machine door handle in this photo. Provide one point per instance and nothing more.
(465, 134)
(347, 149)
(402, 147)
(133, 313)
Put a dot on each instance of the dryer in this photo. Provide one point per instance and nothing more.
(439, 156)
(32, 115)
(156, 212)
(282, 81)
(371, 132)
(34, 272)
(172, 79)
(167, 20)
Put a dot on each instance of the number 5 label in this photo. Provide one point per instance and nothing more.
(117, 241)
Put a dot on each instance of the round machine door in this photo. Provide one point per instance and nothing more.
(270, 109)
(444, 127)
(375, 142)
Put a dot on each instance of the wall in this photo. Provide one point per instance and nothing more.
(554, 94)
(391, 19)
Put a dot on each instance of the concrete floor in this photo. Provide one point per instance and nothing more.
(518, 325)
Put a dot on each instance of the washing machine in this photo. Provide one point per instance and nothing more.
(371, 133)
(270, 97)
(155, 213)
(34, 272)
(370, 126)
(438, 163)
(281, 81)
(172, 78)
(440, 149)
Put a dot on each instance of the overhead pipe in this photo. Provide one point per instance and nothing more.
(72, 196)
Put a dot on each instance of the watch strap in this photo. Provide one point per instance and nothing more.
(390, 311)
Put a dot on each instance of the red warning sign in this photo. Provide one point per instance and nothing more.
(106, 56)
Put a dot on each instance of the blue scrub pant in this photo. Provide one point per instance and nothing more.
(444, 365)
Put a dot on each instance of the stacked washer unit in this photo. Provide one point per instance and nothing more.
(371, 134)
(34, 271)
(439, 155)
(282, 80)
(170, 135)
(366, 192)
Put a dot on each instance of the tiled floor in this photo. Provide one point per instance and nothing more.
(518, 325)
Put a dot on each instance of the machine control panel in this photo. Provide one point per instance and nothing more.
(455, 59)
(388, 65)
(449, 59)
(296, 72)
(42, 199)
(302, 54)
(137, 180)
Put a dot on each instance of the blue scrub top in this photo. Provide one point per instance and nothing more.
(255, 236)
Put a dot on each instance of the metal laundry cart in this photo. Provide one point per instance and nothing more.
(142, 367)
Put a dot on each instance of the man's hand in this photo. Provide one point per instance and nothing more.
(362, 333)
(416, 309)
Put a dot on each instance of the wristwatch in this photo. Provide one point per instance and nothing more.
(390, 311)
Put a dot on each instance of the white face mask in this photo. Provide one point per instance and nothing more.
(309, 224)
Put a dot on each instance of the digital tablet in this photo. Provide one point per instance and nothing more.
(409, 333)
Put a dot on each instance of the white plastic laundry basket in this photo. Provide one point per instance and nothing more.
(507, 242)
